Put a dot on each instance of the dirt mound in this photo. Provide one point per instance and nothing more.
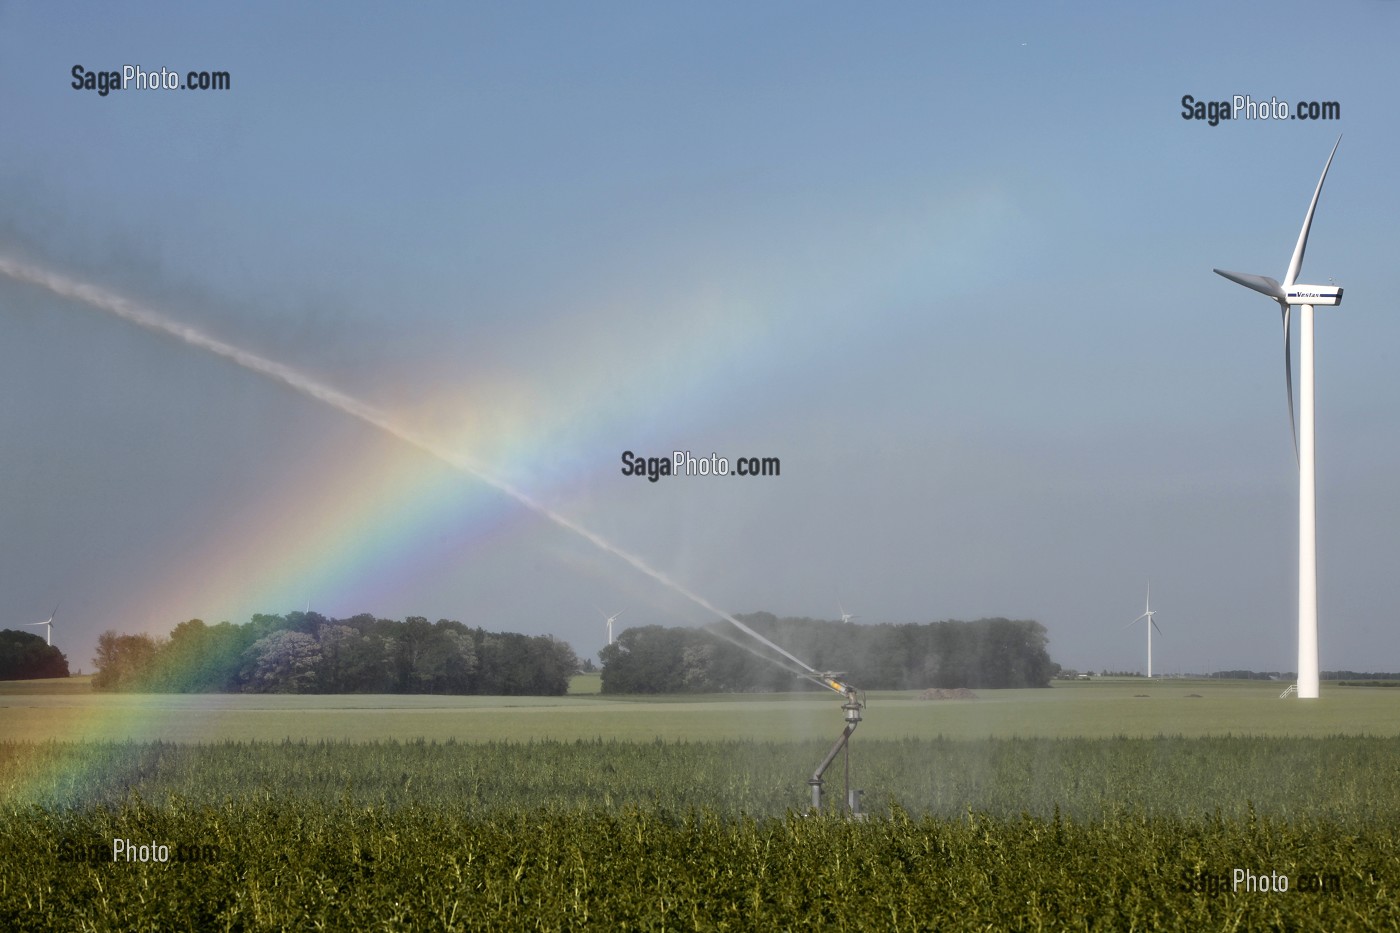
(940, 693)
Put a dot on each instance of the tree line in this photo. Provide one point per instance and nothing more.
(310, 653)
(987, 653)
(1293, 675)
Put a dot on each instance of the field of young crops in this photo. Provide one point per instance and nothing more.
(993, 834)
(1102, 709)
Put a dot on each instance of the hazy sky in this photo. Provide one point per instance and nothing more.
(952, 267)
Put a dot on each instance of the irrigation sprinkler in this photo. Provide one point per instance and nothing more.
(831, 680)
(852, 708)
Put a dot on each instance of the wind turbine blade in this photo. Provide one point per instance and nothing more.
(1156, 626)
(1260, 283)
(1137, 620)
(1295, 265)
(1288, 373)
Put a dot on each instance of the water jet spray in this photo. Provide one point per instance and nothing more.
(99, 298)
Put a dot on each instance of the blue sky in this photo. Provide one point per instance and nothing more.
(952, 267)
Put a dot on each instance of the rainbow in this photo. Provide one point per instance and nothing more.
(389, 515)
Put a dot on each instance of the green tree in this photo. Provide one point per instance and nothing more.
(987, 653)
(282, 662)
(124, 662)
(26, 656)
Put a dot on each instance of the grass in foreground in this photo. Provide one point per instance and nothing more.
(299, 867)
(556, 813)
(1004, 834)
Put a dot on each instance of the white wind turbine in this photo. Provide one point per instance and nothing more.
(610, 619)
(48, 625)
(1287, 294)
(845, 616)
(1151, 624)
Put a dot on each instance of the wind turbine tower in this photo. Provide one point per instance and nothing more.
(1151, 624)
(1287, 294)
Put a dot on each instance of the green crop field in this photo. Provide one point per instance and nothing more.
(1085, 806)
(1092, 710)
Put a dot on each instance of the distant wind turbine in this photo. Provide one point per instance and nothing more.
(48, 625)
(845, 616)
(1151, 624)
(610, 619)
(1288, 294)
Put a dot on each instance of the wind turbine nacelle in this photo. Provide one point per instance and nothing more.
(1314, 295)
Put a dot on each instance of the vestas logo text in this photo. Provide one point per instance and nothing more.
(1324, 295)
